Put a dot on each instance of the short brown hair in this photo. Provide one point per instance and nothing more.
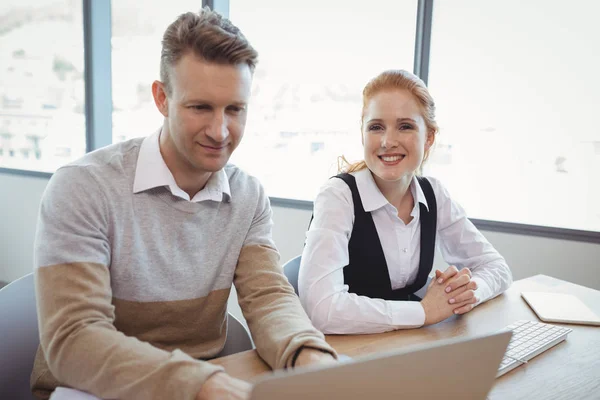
(209, 36)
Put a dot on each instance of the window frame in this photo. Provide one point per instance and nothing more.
(98, 105)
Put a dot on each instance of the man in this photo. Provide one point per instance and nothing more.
(138, 243)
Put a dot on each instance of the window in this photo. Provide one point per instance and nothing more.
(314, 59)
(136, 43)
(42, 113)
(517, 92)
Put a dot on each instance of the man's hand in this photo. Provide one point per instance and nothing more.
(223, 386)
(310, 356)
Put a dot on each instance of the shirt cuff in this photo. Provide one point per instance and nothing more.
(483, 291)
(407, 314)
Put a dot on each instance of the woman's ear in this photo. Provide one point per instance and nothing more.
(362, 135)
(430, 140)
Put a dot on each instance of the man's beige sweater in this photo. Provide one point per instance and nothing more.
(132, 288)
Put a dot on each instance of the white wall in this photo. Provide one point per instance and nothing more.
(19, 202)
(527, 255)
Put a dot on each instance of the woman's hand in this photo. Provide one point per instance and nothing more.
(459, 286)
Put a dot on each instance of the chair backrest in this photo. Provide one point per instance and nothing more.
(19, 338)
(291, 270)
(238, 337)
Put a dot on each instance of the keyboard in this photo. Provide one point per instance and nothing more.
(529, 339)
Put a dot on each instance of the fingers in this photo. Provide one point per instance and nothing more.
(472, 285)
(464, 309)
(450, 272)
(466, 296)
(458, 281)
(464, 302)
(434, 279)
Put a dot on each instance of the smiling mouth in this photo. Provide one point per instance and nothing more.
(391, 159)
(212, 148)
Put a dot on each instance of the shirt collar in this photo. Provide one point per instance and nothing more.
(151, 171)
(418, 193)
(373, 199)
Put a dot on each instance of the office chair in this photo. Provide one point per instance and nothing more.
(19, 338)
(238, 338)
(291, 270)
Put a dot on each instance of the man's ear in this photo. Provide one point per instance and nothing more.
(160, 97)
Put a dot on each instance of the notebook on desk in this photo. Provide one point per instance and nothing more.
(559, 307)
(453, 369)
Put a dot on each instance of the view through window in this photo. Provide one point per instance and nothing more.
(42, 104)
(314, 59)
(517, 91)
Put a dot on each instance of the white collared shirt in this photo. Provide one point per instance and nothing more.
(151, 171)
(323, 293)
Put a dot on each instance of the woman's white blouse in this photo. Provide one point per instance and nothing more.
(323, 293)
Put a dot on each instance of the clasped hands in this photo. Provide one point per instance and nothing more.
(451, 292)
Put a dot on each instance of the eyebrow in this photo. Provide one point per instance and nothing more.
(406, 120)
(200, 101)
(397, 120)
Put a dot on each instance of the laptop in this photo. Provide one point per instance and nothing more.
(457, 368)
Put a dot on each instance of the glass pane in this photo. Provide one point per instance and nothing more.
(315, 56)
(517, 91)
(42, 104)
(136, 42)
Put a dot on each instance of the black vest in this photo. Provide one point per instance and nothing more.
(367, 273)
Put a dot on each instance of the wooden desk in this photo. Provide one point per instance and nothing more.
(570, 370)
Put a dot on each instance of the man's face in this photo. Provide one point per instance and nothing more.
(205, 112)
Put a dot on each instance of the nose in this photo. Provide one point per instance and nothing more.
(217, 129)
(389, 139)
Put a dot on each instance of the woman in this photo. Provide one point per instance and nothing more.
(370, 246)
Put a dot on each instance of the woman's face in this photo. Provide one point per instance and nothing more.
(395, 136)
